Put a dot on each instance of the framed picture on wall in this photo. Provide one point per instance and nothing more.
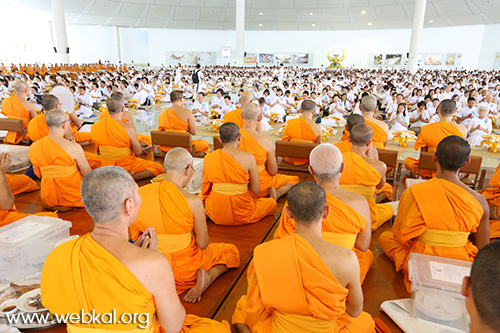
(434, 59)
(266, 58)
(250, 58)
(282, 58)
(450, 59)
(300, 58)
(394, 59)
(377, 59)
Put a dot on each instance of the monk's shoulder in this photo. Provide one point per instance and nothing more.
(479, 197)
(354, 200)
(190, 198)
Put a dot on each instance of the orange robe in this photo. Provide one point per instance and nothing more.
(344, 146)
(436, 204)
(298, 130)
(235, 117)
(12, 215)
(430, 136)
(340, 228)
(21, 183)
(60, 187)
(379, 135)
(115, 147)
(235, 206)
(360, 177)
(493, 197)
(80, 275)
(387, 189)
(169, 121)
(166, 209)
(13, 109)
(141, 137)
(252, 146)
(311, 300)
(37, 129)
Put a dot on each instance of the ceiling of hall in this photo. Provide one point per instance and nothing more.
(270, 14)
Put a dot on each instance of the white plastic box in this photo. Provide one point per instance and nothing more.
(436, 284)
(25, 244)
(19, 155)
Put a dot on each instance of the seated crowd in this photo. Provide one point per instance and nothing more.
(151, 243)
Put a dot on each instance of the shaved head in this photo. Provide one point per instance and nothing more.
(361, 134)
(49, 102)
(104, 192)
(55, 118)
(368, 104)
(251, 112)
(307, 202)
(353, 120)
(114, 105)
(118, 94)
(325, 161)
(452, 152)
(20, 87)
(229, 132)
(177, 159)
(447, 107)
(308, 106)
(246, 98)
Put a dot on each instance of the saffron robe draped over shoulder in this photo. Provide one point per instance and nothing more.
(298, 130)
(341, 227)
(492, 195)
(14, 109)
(252, 146)
(422, 228)
(141, 137)
(311, 300)
(168, 120)
(230, 203)
(379, 134)
(235, 117)
(166, 209)
(360, 177)
(81, 275)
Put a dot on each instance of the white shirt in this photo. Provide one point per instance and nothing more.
(227, 108)
(464, 112)
(217, 101)
(203, 107)
(416, 114)
(491, 107)
(85, 111)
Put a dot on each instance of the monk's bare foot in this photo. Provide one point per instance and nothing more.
(283, 190)
(273, 194)
(194, 294)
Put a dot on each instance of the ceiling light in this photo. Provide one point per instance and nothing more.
(313, 25)
(431, 21)
(363, 12)
(310, 13)
(260, 24)
(261, 14)
(369, 23)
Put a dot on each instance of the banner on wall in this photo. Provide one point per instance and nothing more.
(434, 59)
(283, 58)
(300, 58)
(250, 58)
(190, 58)
(266, 58)
(394, 59)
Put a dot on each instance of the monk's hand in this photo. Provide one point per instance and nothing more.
(5, 161)
(141, 241)
(71, 138)
(153, 240)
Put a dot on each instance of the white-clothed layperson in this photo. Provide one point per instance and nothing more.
(479, 126)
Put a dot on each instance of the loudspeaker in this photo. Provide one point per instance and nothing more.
(55, 50)
(67, 50)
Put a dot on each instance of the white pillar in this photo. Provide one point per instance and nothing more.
(240, 31)
(117, 44)
(62, 54)
(416, 35)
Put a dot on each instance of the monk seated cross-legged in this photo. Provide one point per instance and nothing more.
(59, 163)
(302, 129)
(301, 282)
(363, 173)
(229, 176)
(261, 147)
(37, 128)
(118, 143)
(178, 218)
(437, 216)
(380, 129)
(8, 212)
(18, 107)
(492, 195)
(348, 224)
(102, 272)
(432, 134)
(181, 120)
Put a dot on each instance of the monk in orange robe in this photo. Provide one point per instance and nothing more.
(21, 184)
(8, 212)
(492, 195)
(144, 140)
(431, 134)
(302, 129)
(363, 172)
(18, 107)
(235, 117)
(349, 222)
(180, 120)
(262, 149)
(380, 129)
(229, 175)
(118, 143)
(437, 216)
(345, 145)
(178, 218)
(37, 128)
(59, 163)
(101, 270)
(303, 283)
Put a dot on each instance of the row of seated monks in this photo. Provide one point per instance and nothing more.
(324, 231)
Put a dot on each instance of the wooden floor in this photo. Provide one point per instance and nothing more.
(218, 302)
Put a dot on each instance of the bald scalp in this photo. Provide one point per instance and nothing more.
(368, 104)
(246, 97)
(452, 152)
(325, 161)
(55, 118)
(251, 112)
(307, 202)
(353, 120)
(229, 132)
(447, 107)
(361, 134)
(118, 95)
(20, 87)
(308, 106)
(177, 160)
(114, 105)
(49, 102)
